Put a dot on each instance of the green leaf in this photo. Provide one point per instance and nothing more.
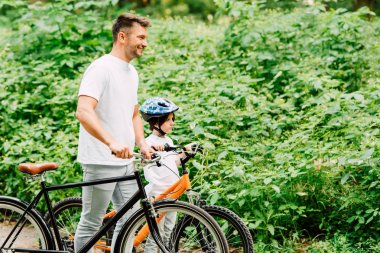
(222, 155)
(351, 219)
(210, 136)
(238, 171)
(197, 165)
(270, 229)
(345, 178)
(214, 198)
(276, 188)
(368, 153)
(241, 202)
(255, 225)
(369, 220)
(6, 146)
(267, 180)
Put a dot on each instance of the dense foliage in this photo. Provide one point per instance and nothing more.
(312, 115)
(286, 104)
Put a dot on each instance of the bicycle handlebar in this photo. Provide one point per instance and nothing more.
(194, 148)
(154, 158)
(138, 156)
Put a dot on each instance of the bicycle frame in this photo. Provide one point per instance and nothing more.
(173, 192)
(139, 194)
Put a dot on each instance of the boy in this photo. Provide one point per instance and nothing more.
(159, 113)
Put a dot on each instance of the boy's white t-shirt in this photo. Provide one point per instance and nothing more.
(113, 83)
(160, 178)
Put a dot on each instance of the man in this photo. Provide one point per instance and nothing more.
(110, 124)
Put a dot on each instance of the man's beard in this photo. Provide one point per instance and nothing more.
(136, 53)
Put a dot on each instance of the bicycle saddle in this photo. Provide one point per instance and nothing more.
(36, 168)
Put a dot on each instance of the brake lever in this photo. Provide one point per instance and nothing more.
(154, 156)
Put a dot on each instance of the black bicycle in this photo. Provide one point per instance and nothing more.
(23, 229)
(237, 233)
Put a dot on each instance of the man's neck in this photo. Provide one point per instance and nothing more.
(118, 52)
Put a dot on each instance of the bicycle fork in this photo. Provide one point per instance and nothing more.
(193, 197)
(152, 219)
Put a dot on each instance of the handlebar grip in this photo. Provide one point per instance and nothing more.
(168, 148)
(196, 148)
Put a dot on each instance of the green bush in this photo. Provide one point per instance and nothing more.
(311, 93)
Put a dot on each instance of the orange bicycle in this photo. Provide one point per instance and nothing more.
(67, 213)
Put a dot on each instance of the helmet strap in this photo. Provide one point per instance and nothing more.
(159, 130)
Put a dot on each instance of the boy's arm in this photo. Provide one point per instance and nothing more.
(183, 155)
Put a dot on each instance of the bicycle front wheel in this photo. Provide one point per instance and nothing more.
(31, 232)
(202, 234)
(237, 233)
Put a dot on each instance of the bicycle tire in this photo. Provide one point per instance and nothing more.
(237, 233)
(67, 213)
(187, 241)
(34, 233)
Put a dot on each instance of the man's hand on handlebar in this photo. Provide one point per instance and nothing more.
(121, 150)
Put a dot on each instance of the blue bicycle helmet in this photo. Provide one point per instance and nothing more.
(157, 107)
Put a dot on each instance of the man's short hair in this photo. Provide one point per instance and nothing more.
(126, 20)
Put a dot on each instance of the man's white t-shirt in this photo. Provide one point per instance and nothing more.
(113, 83)
(160, 178)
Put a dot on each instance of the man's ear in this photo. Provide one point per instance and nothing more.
(122, 37)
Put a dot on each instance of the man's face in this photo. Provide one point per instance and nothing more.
(135, 40)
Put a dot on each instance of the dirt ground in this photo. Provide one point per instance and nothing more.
(27, 238)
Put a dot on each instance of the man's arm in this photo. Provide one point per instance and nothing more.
(87, 117)
(139, 133)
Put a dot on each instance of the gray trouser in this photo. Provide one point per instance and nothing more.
(96, 199)
(165, 226)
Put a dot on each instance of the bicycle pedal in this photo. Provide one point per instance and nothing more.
(102, 245)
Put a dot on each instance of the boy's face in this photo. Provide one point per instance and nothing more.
(167, 126)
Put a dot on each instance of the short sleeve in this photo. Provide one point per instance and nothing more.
(94, 81)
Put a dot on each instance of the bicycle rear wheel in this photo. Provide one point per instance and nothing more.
(33, 233)
(67, 214)
(202, 234)
(237, 233)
